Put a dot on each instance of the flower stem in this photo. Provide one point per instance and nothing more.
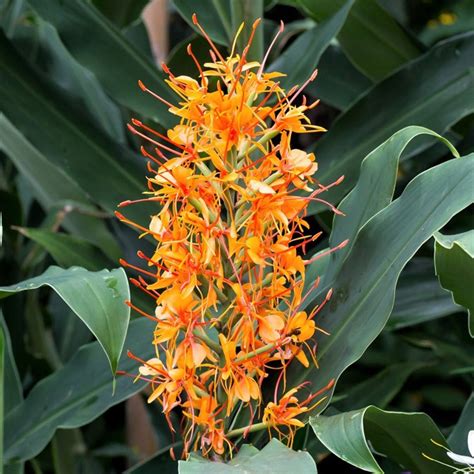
(260, 350)
(200, 333)
(268, 136)
(247, 429)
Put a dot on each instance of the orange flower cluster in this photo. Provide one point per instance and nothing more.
(227, 275)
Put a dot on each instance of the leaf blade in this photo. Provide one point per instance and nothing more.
(454, 265)
(400, 436)
(97, 298)
(73, 396)
(435, 104)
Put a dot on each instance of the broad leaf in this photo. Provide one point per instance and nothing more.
(377, 390)
(375, 188)
(247, 11)
(99, 45)
(402, 437)
(364, 287)
(39, 42)
(371, 38)
(106, 171)
(214, 16)
(2, 390)
(68, 250)
(95, 297)
(419, 297)
(313, 42)
(338, 83)
(13, 392)
(454, 263)
(442, 94)
(159, 462)
(458, 437)
(274, 458)
(52, 186)
(73, 396)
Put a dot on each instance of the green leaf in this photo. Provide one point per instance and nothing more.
(123, 12)
(442, 95)
(2, 394)
(116, 63)
(458, 437)
(375, 188)
(79, 82)
(51, 185)
(97, 298)
(371, 38)
(213, 15)
(419, 296)
(68, 250)
(247, 11)
(454, 265)
(274, 458)
(180, 62)
(74, 395)
(313, 42)
(67, 140)
(13, 392)
(402, 437)
(159, 462)
(339, 83)
(377, 390)
(364, 287)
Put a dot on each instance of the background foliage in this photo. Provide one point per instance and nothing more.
(393, 77)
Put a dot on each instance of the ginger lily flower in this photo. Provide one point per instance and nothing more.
(461, 459)
(227, 273)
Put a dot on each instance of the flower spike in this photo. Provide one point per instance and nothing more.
(226, 276)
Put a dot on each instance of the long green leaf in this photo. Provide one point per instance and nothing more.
(458, 437)
(274, 458)
(364, 287)
(99, 45)
(454, 263)
(2, 393)
(375, 188)
(79, 81)
(419, 296)
(377, 390)
(99, 166)
(68, 250)
(247, 11)
(402, 437)
(214, 15)
(73, 396)
(13, 394)
(51, 185)
(371, 38)
(313, 42)
(95, 297)
(442, 94)
(338, 83)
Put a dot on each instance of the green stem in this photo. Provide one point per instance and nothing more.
(247, 429)
(201, 334)
(267, 137)
(258, 351)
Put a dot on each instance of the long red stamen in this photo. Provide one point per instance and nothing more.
(155, 95)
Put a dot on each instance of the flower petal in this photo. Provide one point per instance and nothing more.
(461, 459)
